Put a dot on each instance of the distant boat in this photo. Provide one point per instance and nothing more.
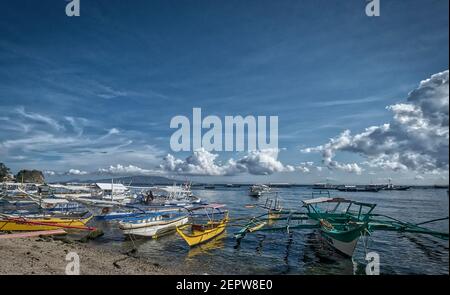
(42, 223)
(209, 186)
(392, 187)
(324, 186)
(257, 190)
(280, 185)
(439, 186)
(354, 188)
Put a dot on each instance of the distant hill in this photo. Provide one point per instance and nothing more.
(140, 180)
(30, 176)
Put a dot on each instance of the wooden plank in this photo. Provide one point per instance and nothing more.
(34, 234)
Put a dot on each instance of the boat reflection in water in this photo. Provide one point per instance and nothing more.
(208, 248)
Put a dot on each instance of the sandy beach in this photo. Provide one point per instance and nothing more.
(46, 256)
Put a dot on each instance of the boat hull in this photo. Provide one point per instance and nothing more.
(255, 194)
(156, 230)
(345, 248)
(198, 236)
(343, 241)
(41, 224)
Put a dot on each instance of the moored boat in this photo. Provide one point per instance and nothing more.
(153, 224)
(204, 227)
(42, 222)
(341, 222)
(392, 187)
(355, 188)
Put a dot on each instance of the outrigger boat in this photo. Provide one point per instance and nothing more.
(340, 229)
(153, 224)
(273, 207)
(204, 226)
(110, 214)
(9, 222)
(341, 222)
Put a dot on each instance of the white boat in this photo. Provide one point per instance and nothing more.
(258, 190)
(168, 196)
(51, 203)
(153, 224)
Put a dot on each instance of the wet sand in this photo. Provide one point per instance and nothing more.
(47, 256)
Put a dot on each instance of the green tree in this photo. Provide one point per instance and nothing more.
(4, 171)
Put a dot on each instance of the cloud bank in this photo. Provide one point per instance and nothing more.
(204, 163)
(416, 139)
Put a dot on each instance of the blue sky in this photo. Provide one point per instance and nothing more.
(88, 92)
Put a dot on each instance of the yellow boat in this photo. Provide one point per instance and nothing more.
(13, 223)
(201, 233)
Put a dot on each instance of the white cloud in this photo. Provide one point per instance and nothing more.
(76, 172)
(306, 167)
(262, 162)
(202, 162)
(107, 92)
(124, 170)
(69, 144)
(416, 139)
(39, 118)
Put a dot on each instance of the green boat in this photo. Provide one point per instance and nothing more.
(341, 222)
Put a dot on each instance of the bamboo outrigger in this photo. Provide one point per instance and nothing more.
(341, 225)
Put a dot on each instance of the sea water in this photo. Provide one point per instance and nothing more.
(301, 251)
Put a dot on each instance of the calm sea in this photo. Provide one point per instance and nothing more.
(302, 251)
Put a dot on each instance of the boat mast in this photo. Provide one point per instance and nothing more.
(112, 189)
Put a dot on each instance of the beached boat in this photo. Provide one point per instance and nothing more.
(153, 224)
(206, 226)
(258, 190)
(10, 222)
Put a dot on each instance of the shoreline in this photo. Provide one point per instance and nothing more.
(47, 256)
